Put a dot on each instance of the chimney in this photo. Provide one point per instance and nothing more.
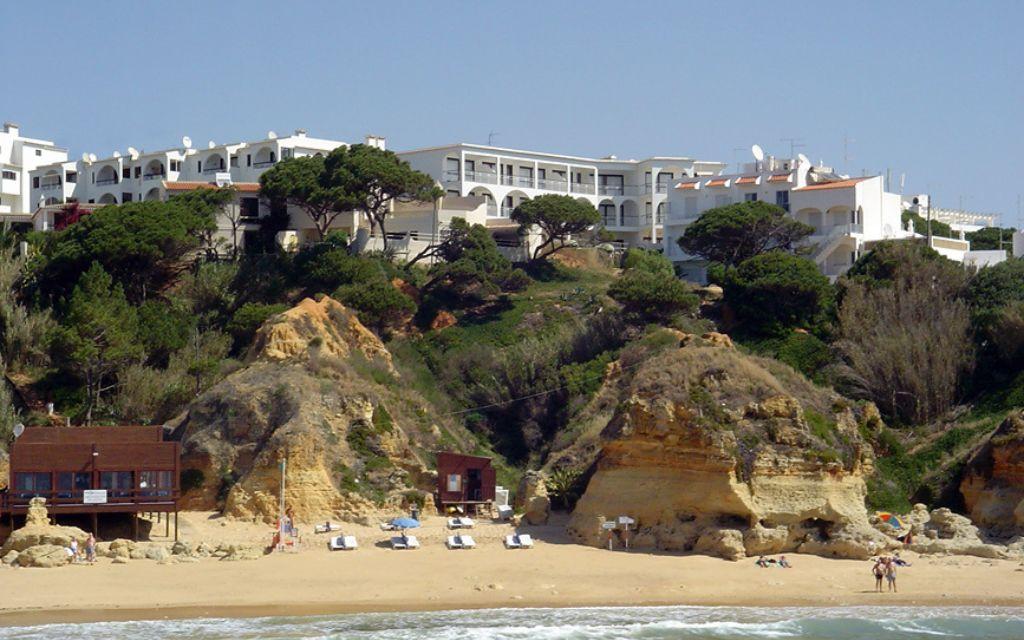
(376, 141)
(11, 128)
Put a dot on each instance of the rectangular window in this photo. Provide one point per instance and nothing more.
(248, 160)
(199, 166)
(10, 175)
(234, 161)
(126, 196)
(155, 483)
(35, 182)
(126, 172)
(250, 208)
(470, 168)
(72, 483)
(782, 199)
(175, 165)
(750, 197)
(286, 153)
(454, 482)
(39, 152)
(526, 172)
(138, 172)
(451, 169)
(33, 484)
(71, 177)
(119, 484)
(542, 173)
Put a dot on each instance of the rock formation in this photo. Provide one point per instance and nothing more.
(993, 483)
(532, 498)
(39, 532)
(716, 451)
(319, 390)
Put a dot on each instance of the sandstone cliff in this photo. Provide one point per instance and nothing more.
(713, 450)
(320, 390)
(993, 482)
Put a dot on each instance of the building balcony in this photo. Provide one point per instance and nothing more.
(265, 163)
(517, 181)
(486, 177)
(505, 212)
(154, 176)
(214, 169)
(102, 181)
(47, 186)
(451, 176)
(583, 187)
(552, 185)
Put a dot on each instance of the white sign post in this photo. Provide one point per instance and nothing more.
(609, 527)
(94, 496)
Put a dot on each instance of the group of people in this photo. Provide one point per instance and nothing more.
(75, 554)
(885, 569)
(764, 562)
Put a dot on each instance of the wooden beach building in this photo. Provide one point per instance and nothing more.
(94, 471)
(464, 481)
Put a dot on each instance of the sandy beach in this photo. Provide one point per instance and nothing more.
(555, 573)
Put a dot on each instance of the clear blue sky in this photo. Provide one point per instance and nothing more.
(931, 89)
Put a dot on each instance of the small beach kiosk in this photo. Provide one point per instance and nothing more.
(94, 471)
(465, 482)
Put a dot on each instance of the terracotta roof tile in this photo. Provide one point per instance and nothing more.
(688, 185)
(841, 184)
(718, 182)
(780, 177)
(747, 179)
(243, 187)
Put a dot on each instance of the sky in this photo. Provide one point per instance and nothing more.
(933, 91)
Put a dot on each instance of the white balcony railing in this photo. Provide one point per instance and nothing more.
(106, 181)
(49, 185)
(486, 177)
(583, 187)
(505, 212)
(552, 185)
(154, 176)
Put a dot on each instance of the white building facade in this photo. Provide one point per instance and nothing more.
(847, 214)
(19, 158)
(630, 194)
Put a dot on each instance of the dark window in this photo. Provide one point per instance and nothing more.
(71, 483)
(234, 161)
(35, 182)
(782, 199)
(273, 158)
(138, 171)
(10, 175)
(126, 197)
(199, 166)
(248, 160)
(250, 208)
(71, 177)
(119, 484)
(29, 485)
(750, 197)
(285, 154)
(155, 483)
(38, 152)
(126, 172)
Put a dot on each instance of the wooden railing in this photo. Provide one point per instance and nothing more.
(15, 498)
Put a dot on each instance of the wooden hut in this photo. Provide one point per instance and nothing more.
(465, 481)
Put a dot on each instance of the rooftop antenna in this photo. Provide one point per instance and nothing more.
(903, 181)
(794, 144)
(846, 149)
(490, 137)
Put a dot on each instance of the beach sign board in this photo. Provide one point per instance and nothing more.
(608, 525)
(94, 496)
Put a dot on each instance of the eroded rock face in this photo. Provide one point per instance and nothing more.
(689, 456)
(39, 532)
(43, 556)
(5, 469)
(532, 498)
(993, 485)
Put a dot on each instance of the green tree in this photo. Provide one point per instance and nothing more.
(646, 260)
(305, 183)
(471, 267)
(248, 319)
(996, 286)
(214, 204)
(558, 218)
(774, 292)
(991, 238)
(98, 334)
(652, 296)
(373, 179)
(144, 246)
(378, 304)
(737, 232)
(921, 225)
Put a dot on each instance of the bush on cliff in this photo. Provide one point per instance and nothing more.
(775, 292)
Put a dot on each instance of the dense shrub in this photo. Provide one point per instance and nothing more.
(775, 292)
(650, 261)
(379, 305)
(737, 232)
(653, 296)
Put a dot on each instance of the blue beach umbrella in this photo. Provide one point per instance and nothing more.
(405, 523)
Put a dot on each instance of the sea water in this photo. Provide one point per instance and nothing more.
(718, 623)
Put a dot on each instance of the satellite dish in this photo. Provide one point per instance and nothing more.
(116, 154)
(92, 157)
(85, 157)
(272, 135)
(803, 158)
(186, 142)
(758, 152)
(211, 144)
(18, 430)
(133, 152)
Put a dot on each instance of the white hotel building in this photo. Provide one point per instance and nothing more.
(19, 157)
(630, 194)
(848, 214)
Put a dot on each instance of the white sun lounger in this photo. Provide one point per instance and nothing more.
(460, 523)
(518, 541)
(504, 512)
(398, 542)
(467, 541)
(511, 542)
(411, 542)
(454, 542)
(327, 527)
(525, 541)
(344, 543)
(387, 526)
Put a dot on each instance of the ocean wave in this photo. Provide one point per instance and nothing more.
(599, 623)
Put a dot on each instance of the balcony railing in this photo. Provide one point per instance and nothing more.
(106, 181)
(583, 187)
(506, 212)
(15, 498)
(517, 181)
(265, 163)
(154, 176)
(661, 187)
(487, 177)
(451, 175)
(216, 169)
(49, 185)
(611, 189)
(551, 185)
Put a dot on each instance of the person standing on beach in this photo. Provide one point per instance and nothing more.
(879, 572)
(90, 549)
(890, 575)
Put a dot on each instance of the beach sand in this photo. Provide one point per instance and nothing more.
(556, 573)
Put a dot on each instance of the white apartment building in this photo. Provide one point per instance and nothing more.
(156, 175)
(848, 214)
(19, 157)
(630, 194)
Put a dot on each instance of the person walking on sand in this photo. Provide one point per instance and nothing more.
(879, 572)
(890, 575)
(90, 549)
